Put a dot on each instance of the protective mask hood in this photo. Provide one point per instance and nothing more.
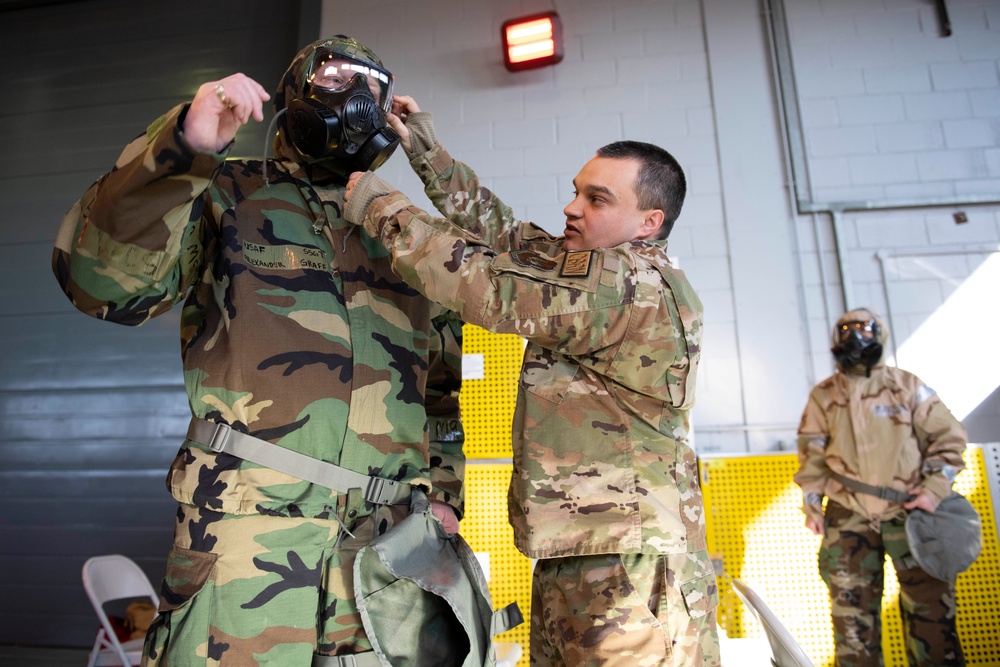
(335, 97)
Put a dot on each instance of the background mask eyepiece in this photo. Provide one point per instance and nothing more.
(866, 329)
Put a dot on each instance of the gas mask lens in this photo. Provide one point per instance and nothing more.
(865, 329)
(335, 72)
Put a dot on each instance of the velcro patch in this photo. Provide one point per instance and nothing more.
(576, 264)
(530, 259)
(888, 410)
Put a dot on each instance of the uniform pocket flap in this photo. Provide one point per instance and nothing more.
(701, 595)
(187, 572)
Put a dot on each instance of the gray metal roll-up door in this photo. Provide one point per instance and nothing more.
(91, 413)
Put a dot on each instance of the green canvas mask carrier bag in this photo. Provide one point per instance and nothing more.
(423, 597)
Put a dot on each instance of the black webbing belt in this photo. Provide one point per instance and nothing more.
(883, 492)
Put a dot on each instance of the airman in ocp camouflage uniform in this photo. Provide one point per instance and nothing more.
(604, 490)
(880, 426)
(295, 331)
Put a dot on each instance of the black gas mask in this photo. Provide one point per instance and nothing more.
(341, 119)
(858, 345)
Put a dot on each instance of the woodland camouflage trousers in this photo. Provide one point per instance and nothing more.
(851, 564)
(254, 590)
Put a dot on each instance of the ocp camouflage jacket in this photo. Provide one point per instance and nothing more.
(601, 459)
(294, 327)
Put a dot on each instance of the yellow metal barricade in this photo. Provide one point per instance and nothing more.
(756, 533)
(756, 530)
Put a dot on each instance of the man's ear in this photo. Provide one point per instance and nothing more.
(651, 224)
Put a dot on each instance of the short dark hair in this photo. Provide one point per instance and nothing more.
(660, 184)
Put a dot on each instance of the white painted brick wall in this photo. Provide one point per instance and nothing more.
(909, 138)
(985, 103)
(829, 81)
(852, 140)
(938, 105)
(919, 297)
(709, 240)
(833, 172)
(972, 133)
(981, 228)
(952, 165)
(707, 210)
(903, 78)
(854, 193)
(933, 97)
(992, 157)
(964, 75)
(940, 189)
(877, 109)
(882, 169)
(820, 112)
(918, 48)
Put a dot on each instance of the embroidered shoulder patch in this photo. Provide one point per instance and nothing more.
(530, 259)
(576, 264)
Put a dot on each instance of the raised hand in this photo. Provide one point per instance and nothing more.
(402, 106)
(219, 109)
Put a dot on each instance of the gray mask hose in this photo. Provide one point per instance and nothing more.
(270, 139)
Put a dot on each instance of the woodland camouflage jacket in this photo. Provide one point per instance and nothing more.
(601, 459)
(889, 429)
(294, 327)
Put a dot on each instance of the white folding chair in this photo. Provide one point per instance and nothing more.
(785, 651)
(743, 651)
(114, 577)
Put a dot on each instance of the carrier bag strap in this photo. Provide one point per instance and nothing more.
(222, 438)
(883, 492)
(506, 618)
(366, 659)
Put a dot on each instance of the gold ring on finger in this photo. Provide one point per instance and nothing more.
(220, 92)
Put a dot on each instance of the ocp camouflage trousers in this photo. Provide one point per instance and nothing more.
(851, 563)
(249, 590)
(632, 610)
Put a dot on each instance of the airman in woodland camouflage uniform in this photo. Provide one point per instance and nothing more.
(880, 426)
(295, 331)
(605, 489)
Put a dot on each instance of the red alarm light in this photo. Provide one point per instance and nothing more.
(532, 41)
